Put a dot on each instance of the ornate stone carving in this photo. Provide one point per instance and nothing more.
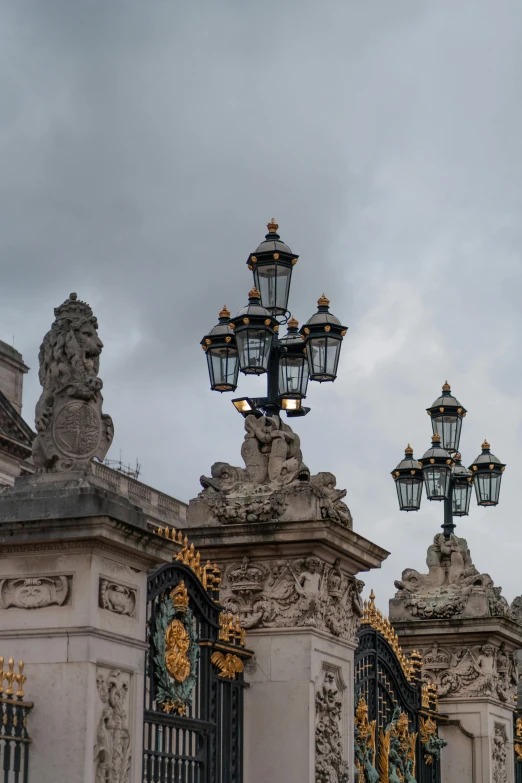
(480, 670)
(452, 587)
(34, 592)
(69, 421)
(290, 593)
(516, 609)
(330, 762)
(273, 480)
(117, 598)
(499, 754)
(397, 759)
(112, 752)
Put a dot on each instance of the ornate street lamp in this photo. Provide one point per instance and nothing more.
(446, 419)
(222, 357)
(436, 469)
(441, 469)
(254, 328)
(323, 335)
(462, 488)
(487, 473)
(272, 265)
(250, 342)
(408, 481)
(293, 364)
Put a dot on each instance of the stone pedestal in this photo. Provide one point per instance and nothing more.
(468, 636)
(471, 663)
(293, 585)
(74, 560)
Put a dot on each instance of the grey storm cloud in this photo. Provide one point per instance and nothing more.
(144, 145)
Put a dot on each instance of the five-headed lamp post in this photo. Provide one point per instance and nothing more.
(441, 471)
(250, 340)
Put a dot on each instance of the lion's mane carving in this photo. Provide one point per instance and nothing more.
(69, 361)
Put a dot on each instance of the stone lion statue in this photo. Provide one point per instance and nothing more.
(70, 433)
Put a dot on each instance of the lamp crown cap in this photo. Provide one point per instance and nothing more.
(446, 387)
(293, 323)
(485, 445)
(225, 312)
(436, 438)
(272, 226)
(408, 449)
(323, 301)
(254, 293)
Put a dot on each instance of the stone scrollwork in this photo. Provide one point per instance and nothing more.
(452, 587)
(293, 593)
(479, 670)
(71, 428)
(273, 482)
(330, 761)
(117, 598)
(34, 592)
(112, 752)
(499, 754)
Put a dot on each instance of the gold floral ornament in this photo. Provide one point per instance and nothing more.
(177, 643)
(209, 574)
(229, 665)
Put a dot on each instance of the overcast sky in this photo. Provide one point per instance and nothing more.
(144, 146)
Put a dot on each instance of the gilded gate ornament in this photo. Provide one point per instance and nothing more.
(364, 745)
(397, 751)
(177, 651)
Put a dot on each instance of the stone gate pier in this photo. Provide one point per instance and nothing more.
(289, 560)
(468, 636)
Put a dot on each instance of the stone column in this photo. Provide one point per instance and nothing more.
(73, 561)
(468, 637)
(293, 586)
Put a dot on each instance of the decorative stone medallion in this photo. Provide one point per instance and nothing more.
(77, 430)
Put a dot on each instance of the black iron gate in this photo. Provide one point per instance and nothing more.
(396, 717)
(193, 718)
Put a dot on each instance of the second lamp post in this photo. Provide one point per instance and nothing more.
(441, 471)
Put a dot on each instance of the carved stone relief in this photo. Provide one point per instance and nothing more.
(34, 592)
(117, 598)
(112, 752)
(273, 482)
(480, 670)
(71, 428)
(293, 593)
(499, 754)
(330, 761)
(452, 587)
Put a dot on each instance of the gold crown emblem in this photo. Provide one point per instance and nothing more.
(225, 312)
(323, 301)
(180, 597)
(272, 226)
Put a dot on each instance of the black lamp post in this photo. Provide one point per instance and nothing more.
(250, 341)
(441, 469)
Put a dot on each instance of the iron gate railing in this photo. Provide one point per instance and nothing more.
(14, 738)
(396, 719)
(193, 719)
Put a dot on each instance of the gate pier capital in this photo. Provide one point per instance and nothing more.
(293, 585)
(73, 591)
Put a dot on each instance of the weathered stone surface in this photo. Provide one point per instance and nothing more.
(453, 587)
(69, 421)
(275, 484)
(55, 496)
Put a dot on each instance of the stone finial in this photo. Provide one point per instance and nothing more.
(69, 421)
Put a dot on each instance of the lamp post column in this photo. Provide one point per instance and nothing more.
(449, 526)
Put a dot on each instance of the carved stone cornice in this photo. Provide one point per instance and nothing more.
(76, 631)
